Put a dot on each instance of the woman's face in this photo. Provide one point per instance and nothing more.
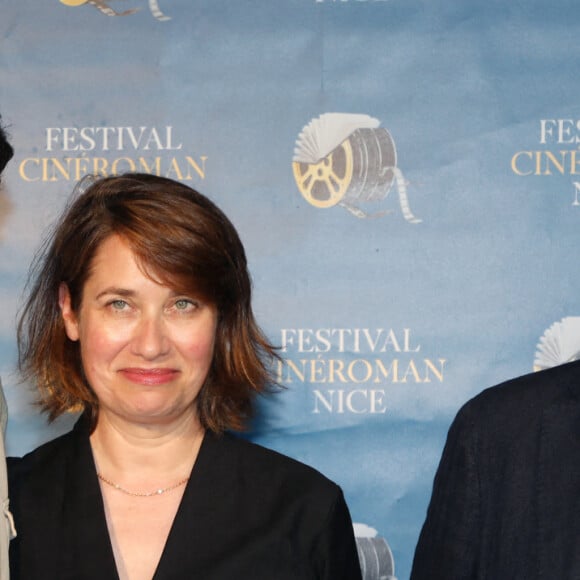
(146, 350)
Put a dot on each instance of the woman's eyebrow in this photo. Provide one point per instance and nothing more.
(116, 291)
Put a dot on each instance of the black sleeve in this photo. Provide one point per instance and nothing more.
(336, 556)
(449, 541)
(13, 464)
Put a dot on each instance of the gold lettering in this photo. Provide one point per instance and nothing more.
(574, 162)
(115, 165)
(317, 371)
(336, 366)
(199, 170)
(52, 169)
(550, 157)
(23, 169)
(174, 168)
(393, 370)
(292, 367)
(515, 160)
(438, 372)
(358, 363)
(100, 166)
(411, 370)
(155, 168)
(563, 162)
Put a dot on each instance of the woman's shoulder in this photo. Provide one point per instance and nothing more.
(48, 456)
(267, 482)
(260, 464)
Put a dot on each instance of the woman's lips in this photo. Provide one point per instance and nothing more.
(149, 376)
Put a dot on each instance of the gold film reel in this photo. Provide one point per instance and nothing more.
(323, 184)
(361, 169)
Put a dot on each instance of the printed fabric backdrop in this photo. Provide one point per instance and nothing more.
(405, 176)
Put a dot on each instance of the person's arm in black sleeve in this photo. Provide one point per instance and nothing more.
(336, 556)
(450, 539)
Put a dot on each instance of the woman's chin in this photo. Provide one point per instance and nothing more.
(152, 411)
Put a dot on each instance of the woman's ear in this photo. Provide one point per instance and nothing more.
(69, 317)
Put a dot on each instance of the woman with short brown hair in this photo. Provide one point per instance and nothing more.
(139, 314)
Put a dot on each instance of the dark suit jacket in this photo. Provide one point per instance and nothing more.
(506, 497)
(247, 513)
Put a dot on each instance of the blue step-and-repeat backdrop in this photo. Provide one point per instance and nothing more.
(405, 176)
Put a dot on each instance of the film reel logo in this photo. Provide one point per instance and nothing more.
(346, 160)
(103, 6)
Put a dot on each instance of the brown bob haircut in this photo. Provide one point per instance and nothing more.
(181, 240)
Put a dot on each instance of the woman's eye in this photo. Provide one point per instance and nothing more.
(118, 304)
(184, 304)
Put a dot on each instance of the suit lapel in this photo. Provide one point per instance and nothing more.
(185, 541)
(84, 521)
(191, 543)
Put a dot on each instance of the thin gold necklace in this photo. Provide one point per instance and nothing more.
(142, 493)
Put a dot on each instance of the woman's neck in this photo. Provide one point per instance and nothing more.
(138, 453)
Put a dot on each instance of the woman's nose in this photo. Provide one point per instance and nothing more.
(150, 340)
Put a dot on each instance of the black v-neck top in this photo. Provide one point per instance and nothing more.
(247, 513)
